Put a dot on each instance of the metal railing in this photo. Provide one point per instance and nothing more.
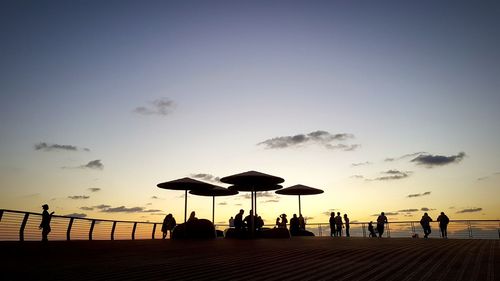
(23, 226)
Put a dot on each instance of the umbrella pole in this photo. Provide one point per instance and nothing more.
(253, 215)
(213, 209)
(300, 212)
(185, 204)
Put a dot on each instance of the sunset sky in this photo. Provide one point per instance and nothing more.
(386, 106)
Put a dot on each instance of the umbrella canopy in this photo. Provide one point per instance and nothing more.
(253, 181)
(299, 190)
(185, 184)
(252, 178)
(216, 191)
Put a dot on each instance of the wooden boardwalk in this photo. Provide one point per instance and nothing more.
(312, 258)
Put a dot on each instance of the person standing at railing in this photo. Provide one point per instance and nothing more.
(302, 222)
(45, 224)
(425, 222)
(339, 224)
(381, 221)
(346, 221)
(443, 224)
(168, 225)
(332, 225)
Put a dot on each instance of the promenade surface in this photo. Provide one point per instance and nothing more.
(311, 258)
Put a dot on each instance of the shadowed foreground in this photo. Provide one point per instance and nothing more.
(286, 259)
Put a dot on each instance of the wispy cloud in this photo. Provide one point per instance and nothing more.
(94, 189)
(437, 160)
(87, 208)
(162, 107)
(390, 159)
(77, 215)
(393, 175)
(408, 210)
(270, 201)
(123, 209)
(222, 204)
(387, 214)
(94, 164)
(357, 177)
(470, 210)
(361, 164)
(425, 209)
(78, 197)
(158, 198)
(419, 194)
(323, 138)
(43, 146)
(206, 177)
(487, 177)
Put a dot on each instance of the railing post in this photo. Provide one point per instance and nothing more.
(319, 230)
(23, 225)
(364, 230)
(154, 230)
(1, 214)
(113, 231)
(91, 229)
(388, 231)
(133, 230)
(470, 229)
(68, 232)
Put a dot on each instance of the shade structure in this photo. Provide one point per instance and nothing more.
(216, 191)
(185, 184)
(253, 181)
(299, 190)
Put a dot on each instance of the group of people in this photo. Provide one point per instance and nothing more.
(240, 223)
(337, 224)
(443, 220)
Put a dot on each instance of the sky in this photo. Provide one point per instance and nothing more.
(386, 106)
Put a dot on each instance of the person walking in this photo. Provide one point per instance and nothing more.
(346, 221)
(443, 224)
(45, 224)
(332, 225)
(381, 221)
(425, 222)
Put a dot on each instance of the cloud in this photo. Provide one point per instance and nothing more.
(425, 209)
(270, 201)
(408, 210)
(206, 177)
(329, 211)
(361, 164)
(94, 164)
(470, 210)
(323, 138)
(437, 160)
(222, 204)
(102, 206)
(87, 208)
(162, 107)
(94, 189)
(77, 197)
(159, 198)
(77, 215)
(357, 177)
(43, 146)
(393, 175)
(387, 214)
(419, 194)
(403, 156)
(123, 209)
(265, 194)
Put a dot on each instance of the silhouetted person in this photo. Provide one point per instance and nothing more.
(294, 225)
(192, 216)
(259, 223)
(278, 222)
(346, 220)
(284, 221)
(371, 230)
(381, 221)
(248, 220)
(332, 225)
(45, 224)
(425, 222)
(302, 222)
(338, 224)
(168, 225)
(231, 222)
(443, 224)
(238, 220)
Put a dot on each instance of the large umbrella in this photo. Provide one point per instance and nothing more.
(216, 191)
(253, 182)
(299, 189)
(185, 184)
